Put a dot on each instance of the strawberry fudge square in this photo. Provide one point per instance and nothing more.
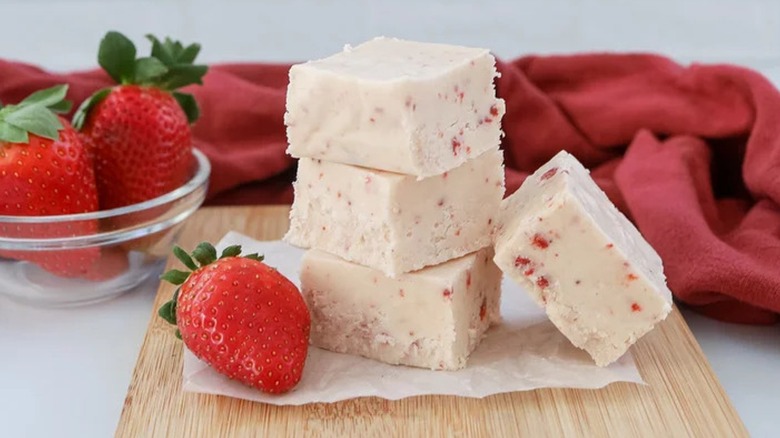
(433, 318)
(401, 106)
(599, 281)
(393, 222)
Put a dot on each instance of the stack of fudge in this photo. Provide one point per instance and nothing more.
(399, 182)
(399, 200)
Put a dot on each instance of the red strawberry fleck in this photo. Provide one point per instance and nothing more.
(447, 294)
(528, 272)
(521, 261)
(444, 175)
(549, 174)
(494, 111)
(635, 307)
(610, 246)
(632, 277)
(483, 310)
(468, 279)
(455, 146)
(539, 241)
(542, 282)
(441, 202)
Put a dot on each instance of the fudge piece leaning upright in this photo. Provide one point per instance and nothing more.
(408, 107)
(599, 281)
(393, 222)
(433, 318)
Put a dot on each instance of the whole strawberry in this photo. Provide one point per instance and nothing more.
(44, 171)
(240, 316)
(139, 130)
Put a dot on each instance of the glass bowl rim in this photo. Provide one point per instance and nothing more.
(201, 176)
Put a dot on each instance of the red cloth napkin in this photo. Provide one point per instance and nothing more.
(691, 154)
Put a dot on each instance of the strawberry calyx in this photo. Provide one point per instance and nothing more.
(36, 114)
(169, 67)
(203, 255)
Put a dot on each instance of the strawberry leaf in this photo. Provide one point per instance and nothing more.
(61, 107)
(179, 61)
(147, 69)
(189, 54)
(80, 117)
(12, 134)
(184, 258)
(174, 276)
(161, 51)
(116, 55)
(231, 251)
(205, 253)
(35, 119)
(188, 104)
(181, 75)
(48, 97)
(255, 257)
(35, 114)
(167, 312)
(177, 333)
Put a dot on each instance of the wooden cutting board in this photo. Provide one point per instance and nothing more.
(682, 396)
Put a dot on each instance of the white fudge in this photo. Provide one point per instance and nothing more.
(599, 281)
(407, 107)
(392, 222)
(433, 318)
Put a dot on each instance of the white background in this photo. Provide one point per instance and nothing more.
(65, 372)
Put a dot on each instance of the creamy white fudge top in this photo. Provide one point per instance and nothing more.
(391, 59)
(432, 318)
(598, 279)
(401, 106)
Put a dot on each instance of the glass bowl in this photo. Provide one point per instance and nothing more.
(68, 260)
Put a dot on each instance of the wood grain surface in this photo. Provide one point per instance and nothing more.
(682, 396)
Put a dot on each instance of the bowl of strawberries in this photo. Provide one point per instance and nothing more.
(91, 206)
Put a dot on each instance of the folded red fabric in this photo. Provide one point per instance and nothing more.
(691, 154)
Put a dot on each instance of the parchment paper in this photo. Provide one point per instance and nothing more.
(525, 352)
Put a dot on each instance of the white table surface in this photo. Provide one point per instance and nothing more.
(65, 372)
